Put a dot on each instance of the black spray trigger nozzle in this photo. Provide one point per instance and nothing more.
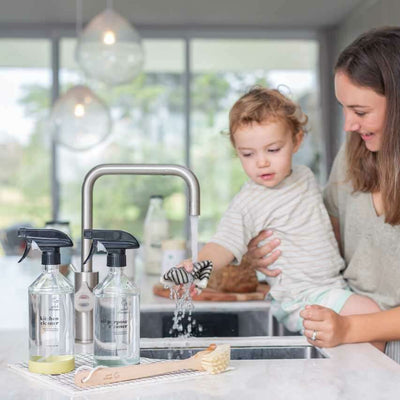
(48, 241)
(113, 242)
(26, 251)
(30, 245)
(95, 244)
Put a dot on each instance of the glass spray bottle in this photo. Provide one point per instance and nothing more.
(117, 309)
(156, 229)
(51, 311)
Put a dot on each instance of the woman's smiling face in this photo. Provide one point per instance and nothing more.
(364, 110)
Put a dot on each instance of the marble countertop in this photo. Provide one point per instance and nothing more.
(351, 372)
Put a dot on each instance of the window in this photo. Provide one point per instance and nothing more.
(149, 126)
(25, 80)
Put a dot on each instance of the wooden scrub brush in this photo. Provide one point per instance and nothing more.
(215, 359)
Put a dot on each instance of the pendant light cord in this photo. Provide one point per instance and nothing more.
(79, 29)
(109, 4)
(79, 18)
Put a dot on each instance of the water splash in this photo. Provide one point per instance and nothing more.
(183, 323)
(186, 327)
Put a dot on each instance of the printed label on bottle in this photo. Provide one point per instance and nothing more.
(119, 326)
(49, 321)
(115, 324)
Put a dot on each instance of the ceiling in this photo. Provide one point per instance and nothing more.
(309, 14)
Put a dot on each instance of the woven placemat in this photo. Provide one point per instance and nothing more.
(65, 382)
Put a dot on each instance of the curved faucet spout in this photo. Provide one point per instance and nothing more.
(132, 169)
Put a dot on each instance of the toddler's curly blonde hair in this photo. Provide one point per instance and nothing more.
(261, 105)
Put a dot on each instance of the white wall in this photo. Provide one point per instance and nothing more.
(371, 14)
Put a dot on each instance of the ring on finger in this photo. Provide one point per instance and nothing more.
(314, 336)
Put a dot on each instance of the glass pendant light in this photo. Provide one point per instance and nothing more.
(109, 49)
(80, 118)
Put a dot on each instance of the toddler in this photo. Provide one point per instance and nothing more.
(266, 130)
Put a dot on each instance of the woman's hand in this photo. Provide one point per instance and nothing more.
(330, 328)
(255, 256)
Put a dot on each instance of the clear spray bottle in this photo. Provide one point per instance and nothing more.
(156, 229)
(51, 310)
(116, 309)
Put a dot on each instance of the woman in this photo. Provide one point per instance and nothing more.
(362, 195)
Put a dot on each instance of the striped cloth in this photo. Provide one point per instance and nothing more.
(179, 276)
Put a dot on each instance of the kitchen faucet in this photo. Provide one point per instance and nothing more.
(86, 279)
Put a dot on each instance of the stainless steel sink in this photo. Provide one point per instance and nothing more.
(240, 353)
(238, 323)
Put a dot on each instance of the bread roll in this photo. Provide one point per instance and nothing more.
(234, 278)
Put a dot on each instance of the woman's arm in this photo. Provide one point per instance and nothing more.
(333, 329)
(384, 325)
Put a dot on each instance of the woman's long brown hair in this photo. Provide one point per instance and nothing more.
(373, 61)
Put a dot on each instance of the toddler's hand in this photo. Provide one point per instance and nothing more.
(187, 264)
(177, 276)
(187, 271)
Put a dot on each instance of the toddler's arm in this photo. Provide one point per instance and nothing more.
(212, 252)
(218, 255)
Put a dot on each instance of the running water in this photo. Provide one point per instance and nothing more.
(183, 300)
(194, 222)
(183, 307)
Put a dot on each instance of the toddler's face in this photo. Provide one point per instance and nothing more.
(265, 151)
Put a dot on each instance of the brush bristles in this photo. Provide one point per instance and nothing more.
(218, 360)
